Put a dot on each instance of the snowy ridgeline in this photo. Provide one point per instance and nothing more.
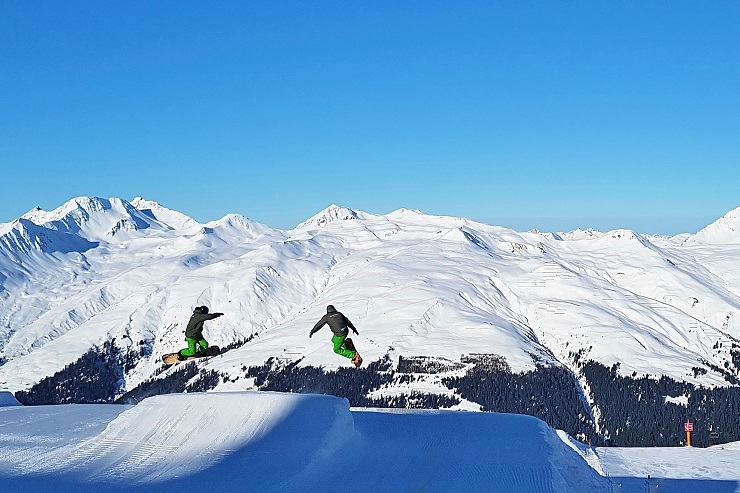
(264, 441)
(97, 271)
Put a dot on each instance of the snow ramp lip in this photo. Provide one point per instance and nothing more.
(7, 399)
(178, 435)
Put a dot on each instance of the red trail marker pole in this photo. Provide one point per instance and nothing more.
(688, 427)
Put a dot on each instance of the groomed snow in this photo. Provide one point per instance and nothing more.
(8, 399)
(250, 441)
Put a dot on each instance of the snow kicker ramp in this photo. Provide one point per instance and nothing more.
(271, 442)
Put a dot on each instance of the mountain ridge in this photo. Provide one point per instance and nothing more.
(416, 285)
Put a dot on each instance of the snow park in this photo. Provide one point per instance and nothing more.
(493, 360)
(387, 246)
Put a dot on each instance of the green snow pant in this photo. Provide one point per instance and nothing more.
(339, 348)
(192, 344)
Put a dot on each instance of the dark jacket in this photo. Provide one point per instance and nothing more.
(338, 323)
(195, 325)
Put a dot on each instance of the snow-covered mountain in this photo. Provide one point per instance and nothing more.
(97, 270)
(725, 230)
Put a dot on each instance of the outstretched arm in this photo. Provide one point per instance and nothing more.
(202, 317)
(318, 325)
(351, 325)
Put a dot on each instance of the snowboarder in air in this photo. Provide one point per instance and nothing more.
(339, 325)
(197, 345)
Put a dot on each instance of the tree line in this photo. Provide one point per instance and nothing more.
(632, 410)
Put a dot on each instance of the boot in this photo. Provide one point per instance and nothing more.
(357, 360)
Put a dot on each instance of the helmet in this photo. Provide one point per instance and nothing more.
(204, 309)
(330, 308)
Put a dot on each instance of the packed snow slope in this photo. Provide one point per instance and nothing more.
(96, 270)
(261, 441)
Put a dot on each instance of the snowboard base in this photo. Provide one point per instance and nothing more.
(172, 358)
(349, 344)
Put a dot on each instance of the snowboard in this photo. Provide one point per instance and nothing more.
(349, 344)
(171, 358)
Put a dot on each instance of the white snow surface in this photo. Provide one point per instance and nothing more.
(414, 284)
(264, 441)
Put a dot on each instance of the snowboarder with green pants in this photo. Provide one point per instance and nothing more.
(339, 325)
(197, 345)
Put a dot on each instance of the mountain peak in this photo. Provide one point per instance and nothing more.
(330, 214)
(162, 214)
(79, 205)
(93, 218)
(142, 203)
(725, 230)
(406, 212)
(580, 234)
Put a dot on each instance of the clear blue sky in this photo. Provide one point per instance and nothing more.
(549, 115)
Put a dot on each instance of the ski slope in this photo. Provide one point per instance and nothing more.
(261, 441)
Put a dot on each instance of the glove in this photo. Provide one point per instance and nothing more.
(310, 334)
(355, 331)
(219, 314)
